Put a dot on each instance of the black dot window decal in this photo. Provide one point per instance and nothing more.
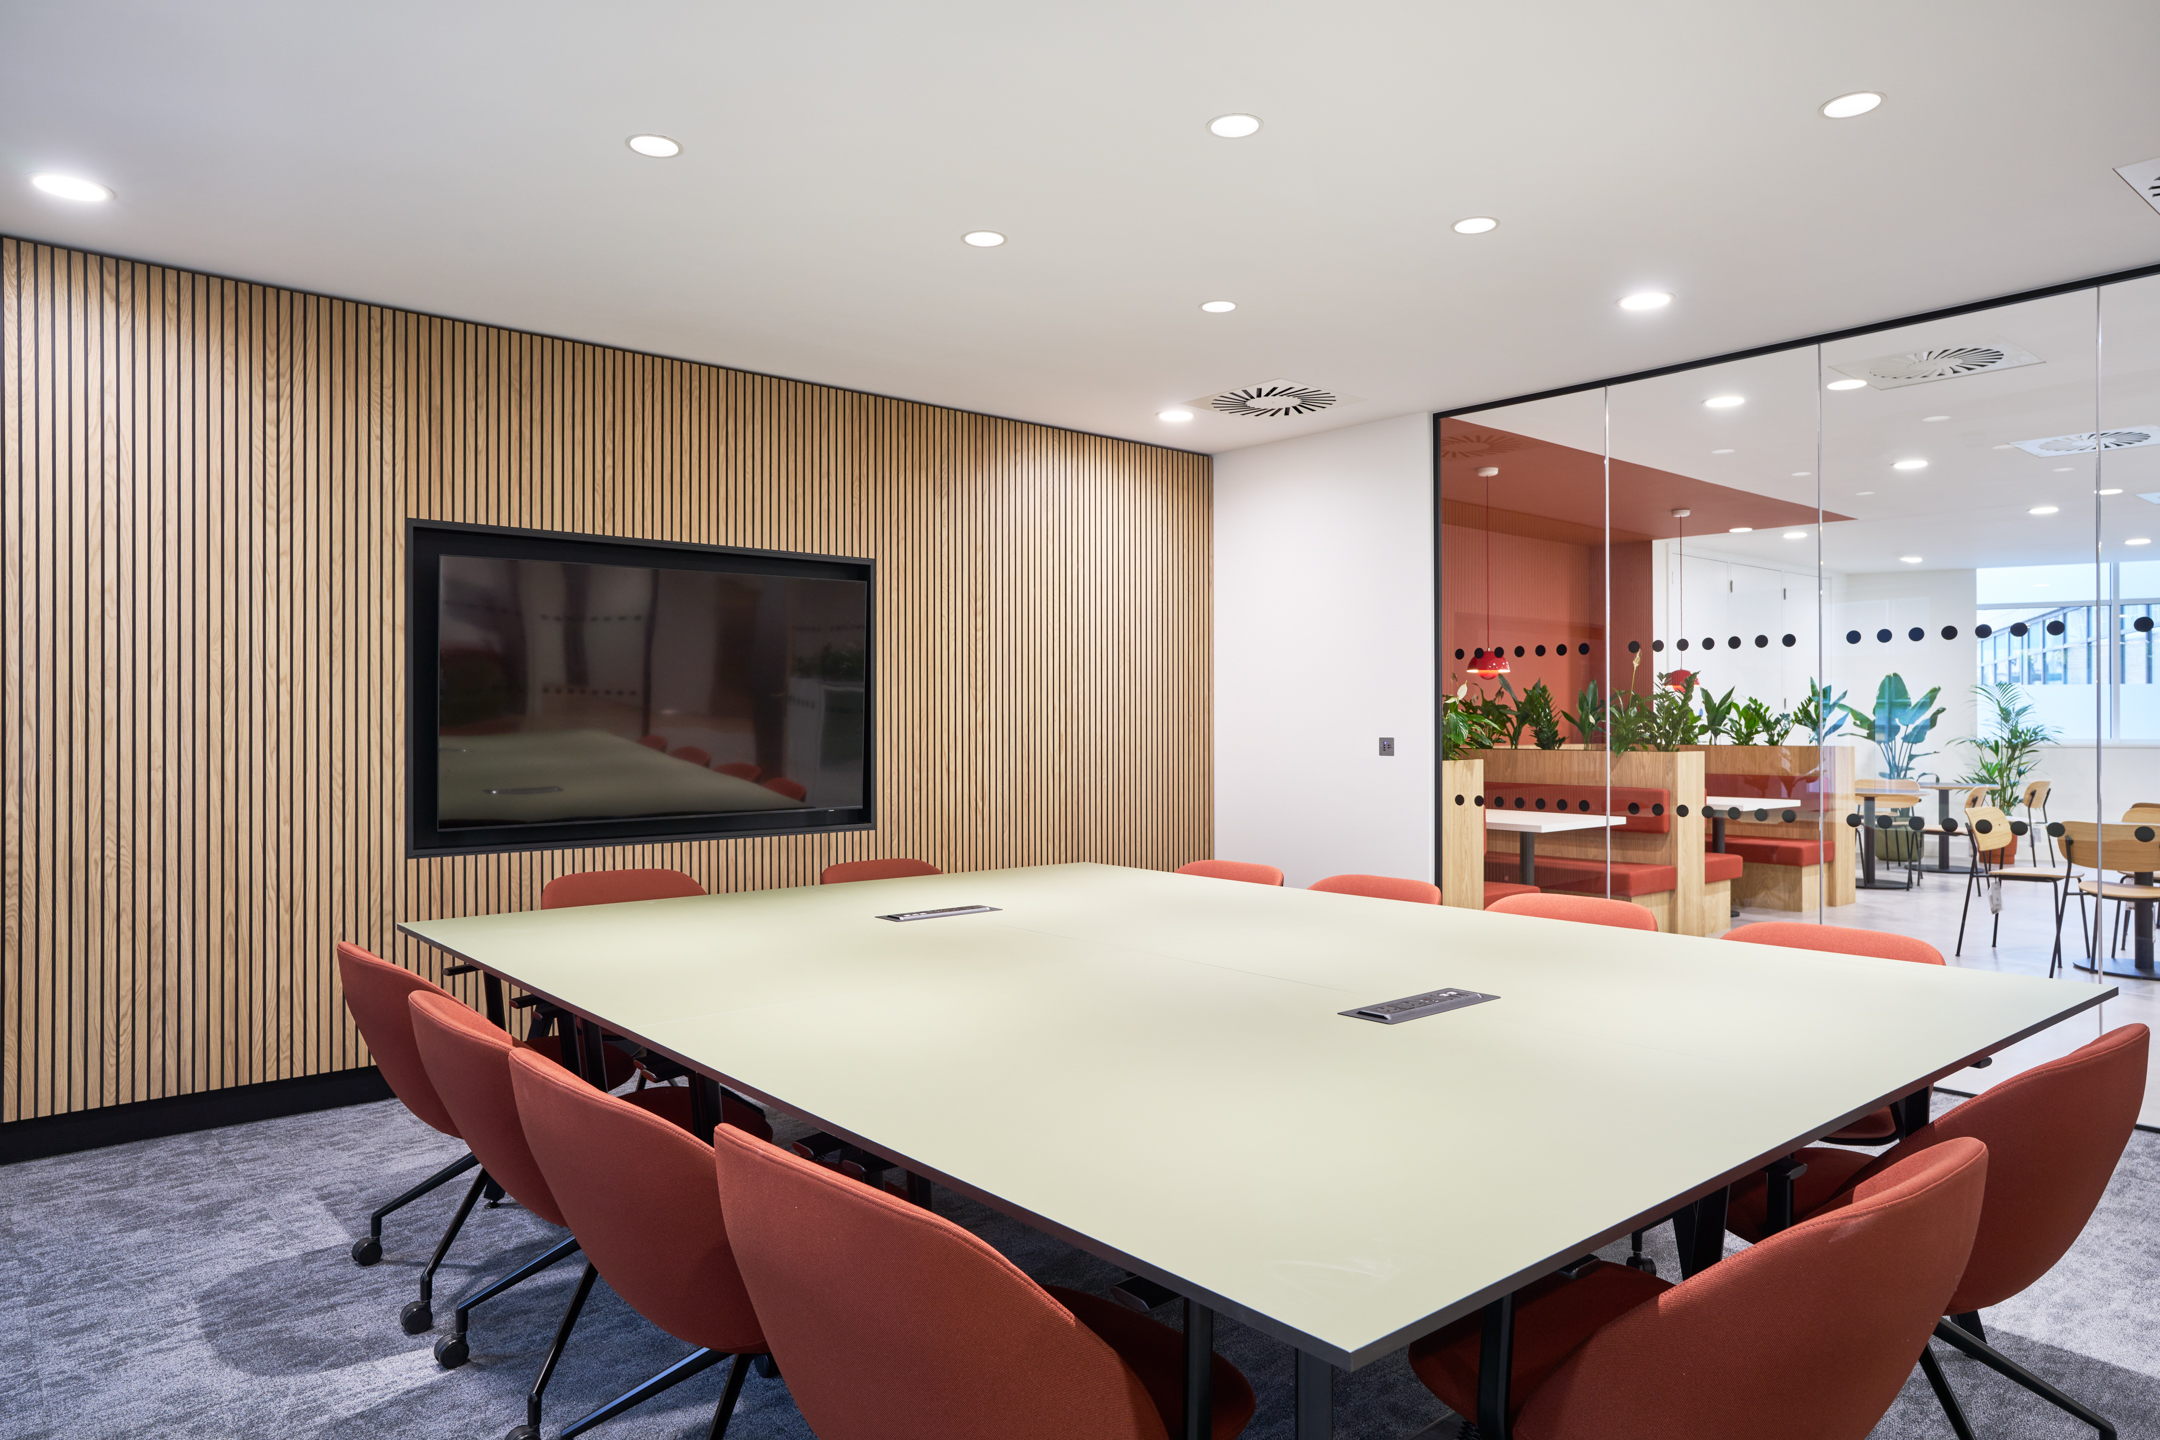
(2142, 624)
(1983, 631)
(1709, 642)
(1680, 810)
(1657, 647)
(1734, 643)
(1518, 652)
(1762, 642)
(1541, 649)
(1852, 637)
(1789, 641)
(1634, 807)
(1458, 654)
(1541, 803)
(1916, 633)
(2019, 630)
(1458, 799)
(1478, 800)
(1681, 643)
(1882, 636)
(1949, 632)
(2055, 627)
(1656, 809)
(1634, 647)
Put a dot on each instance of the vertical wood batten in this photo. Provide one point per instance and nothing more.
(204, 485)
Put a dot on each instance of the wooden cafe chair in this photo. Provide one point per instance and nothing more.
(2127, 849)
(1994, 838)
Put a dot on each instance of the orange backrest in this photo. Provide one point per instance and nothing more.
(695, 754)
(654, 742)
(2054, 1135)
(616, 887)
(664, 1249)
(1839, 939)
(897, 868)
(1233, 870)
(469, 1061)
(895, 1324)
(781, 785)
(1651, 812)
(375, 992)
(1808, 1335)
(1379, 887)
(1584, 909)
(740, 769)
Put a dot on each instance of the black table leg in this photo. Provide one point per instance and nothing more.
(592, 1053)
(1315, 1398)
(1867, 842)
(491, 987)
(1526, 857)
(1496, 1361)
(1717, 833)
(1942, 824)
(2141, 913)
(1700, 1229)
(1199, 1371)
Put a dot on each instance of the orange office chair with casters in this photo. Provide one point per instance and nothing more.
(1379, 887)
(897, 868)
(376, 993)
(1807, 1336)
(469, 1061)
(2054, 1136)
(740, 769)
(1246, 871)
(602, 887)
(1583, 909)
(667, 1257)
(892, 1323)
(1907, 1113)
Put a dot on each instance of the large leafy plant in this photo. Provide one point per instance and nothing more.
(1718, 712)
(1463, 728)
(1534, 712)
(1822, 714)
(1588, 716)
(1898, 724)
(1755, 723)
(2008, 746)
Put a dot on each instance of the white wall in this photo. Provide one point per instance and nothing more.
(1323, 644)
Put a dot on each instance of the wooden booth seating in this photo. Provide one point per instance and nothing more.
(1777, 874)
(1647, 882)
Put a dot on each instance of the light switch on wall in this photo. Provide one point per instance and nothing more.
(1387, 745)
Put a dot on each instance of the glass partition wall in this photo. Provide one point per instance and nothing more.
(1855, 633)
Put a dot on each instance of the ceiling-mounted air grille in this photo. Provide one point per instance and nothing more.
(2126, 437)
(1477, 444)
(2143, 177)
(1938, 362)
(1274, 399)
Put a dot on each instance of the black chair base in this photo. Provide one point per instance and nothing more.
(1968, 1340)
(419, 1317)
(695, 1363)
(451, 1351)
(368, 1249)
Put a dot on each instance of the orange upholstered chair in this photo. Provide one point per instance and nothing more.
(1907, 1113)
(616, 887)
(892, 1323)
(1379, 887)
(1806, 1336)
(468, 1059)
(740, 769)
(654, 742)
(2054, 1136)
(667, 1256)
(375, 993)
(1584, 909)
(781, 785)
(1250, 873)
(695, 754)
(897, 868)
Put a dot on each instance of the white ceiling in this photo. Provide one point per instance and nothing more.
(468, 159)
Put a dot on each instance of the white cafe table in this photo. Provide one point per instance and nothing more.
(1526, 826)
(1153, 1067)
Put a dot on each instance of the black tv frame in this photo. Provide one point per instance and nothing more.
(427, 541)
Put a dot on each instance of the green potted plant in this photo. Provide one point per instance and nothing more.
(1822, 714)
(1897, 724)
(2008, 747)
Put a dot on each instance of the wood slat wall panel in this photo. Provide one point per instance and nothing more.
(204, 485)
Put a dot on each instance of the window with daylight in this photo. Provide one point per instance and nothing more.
(2079, 640)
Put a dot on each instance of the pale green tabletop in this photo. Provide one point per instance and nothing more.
(1152, 1066)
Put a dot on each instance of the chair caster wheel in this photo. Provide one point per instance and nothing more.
(523, 1432)
(450, 1352)
(366, 1251)
(417, 1318)
(1643, 1263)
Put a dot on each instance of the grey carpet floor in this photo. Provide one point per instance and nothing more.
(200, 1286)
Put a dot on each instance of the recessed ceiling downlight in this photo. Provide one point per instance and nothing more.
(659, 147)
(1796, 534)
(1846, 385)
(1724, 402)
(2042, 510)
(1218, 307)
(1175, 417)
(70, 187)
(1910, 559)
(1847, 106)
(1476, 225)
(1646, 300)
(1910, 465)
(983, 238)
(1741, 530)
(2139, 540)
(1233, 127)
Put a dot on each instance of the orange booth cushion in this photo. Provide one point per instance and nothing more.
(1716, 867)
(1775, 852)
(1585, 877)
(1652, 814)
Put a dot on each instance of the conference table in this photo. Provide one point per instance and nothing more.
(1158, 1069)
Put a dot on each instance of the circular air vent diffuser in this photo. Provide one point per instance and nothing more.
(1938, 364)
(1272, 400)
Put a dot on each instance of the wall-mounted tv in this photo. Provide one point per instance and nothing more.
(576, 690)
